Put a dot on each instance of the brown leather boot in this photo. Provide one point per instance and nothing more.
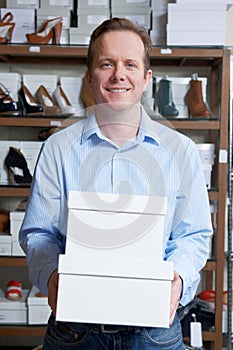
(194, 100)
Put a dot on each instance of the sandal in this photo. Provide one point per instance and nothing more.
(14, 290)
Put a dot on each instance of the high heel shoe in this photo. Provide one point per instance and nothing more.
(17, 167)
(45, 99)
(50, 30)
(28, 103)
(7, 105)
(6, 28)
(63, 102)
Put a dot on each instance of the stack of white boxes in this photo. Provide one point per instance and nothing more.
(89, 15)
(16, 220)
(196, 23)
(180, 87)
(159, 22)
(138, 11)
(117, 252)
(24, 19)
(5, 244)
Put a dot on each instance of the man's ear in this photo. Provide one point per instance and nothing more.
(88, 79)
(147, 78)
(86, 95)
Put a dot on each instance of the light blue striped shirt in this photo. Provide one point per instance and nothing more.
(158, 161)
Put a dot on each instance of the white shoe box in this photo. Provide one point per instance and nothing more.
(31, 151)
(161, 5)
(11, 311)
(89, 19)
(24, 23)
(43, 14)
(16, 250)
(5, 244)
(38, 308)
(72, 87)
(33, 82)
(90, 4)
(50, 4)
(11, 81)
(159, 22)
(22, 4)
(138, 15)
(117, 252)
(4, 149)
(215, 38)
(16, 220)
(75, 38)
(130, 3)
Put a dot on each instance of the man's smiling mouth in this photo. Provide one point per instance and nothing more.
(117, 90)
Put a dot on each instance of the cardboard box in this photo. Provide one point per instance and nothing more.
(187, 38)
(139, 15)
(43, 14)
(76, 38)
(90, 4)
(22, 4)
(89, 19)
(5, 244)
(11, 311)
(16, 220)
(116, 251)
(33, 82)
(130, 3)
(38, 308)
(24, 19)
(12, 81)
(50, 4)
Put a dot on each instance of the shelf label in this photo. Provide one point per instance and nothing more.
(55, 123)
(166, 51)
(34, 49)
(223, 156)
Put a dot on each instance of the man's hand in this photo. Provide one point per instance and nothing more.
(52, 291)
(175, 295)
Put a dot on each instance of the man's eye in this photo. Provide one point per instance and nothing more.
(131, 65)
(106, 65)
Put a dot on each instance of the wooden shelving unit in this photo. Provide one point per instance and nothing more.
(217, 60)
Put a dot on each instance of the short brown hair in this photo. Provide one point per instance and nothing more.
(118, 24)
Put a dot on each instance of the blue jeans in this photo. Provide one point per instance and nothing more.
(81, 336)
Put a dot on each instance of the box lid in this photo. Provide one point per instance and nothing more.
(35, 300)
(127, 267)
(112, 202)
(5, 238)
(17, 215)
(6, 304)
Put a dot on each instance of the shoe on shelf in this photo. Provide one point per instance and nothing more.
(50, 30)
(6, 28)
(14, 290)
(164, 98)
(46, 100)
(7, 105)
(28, 104)
(45, 133)
(194, 99)
(17, 167)
(63, 102)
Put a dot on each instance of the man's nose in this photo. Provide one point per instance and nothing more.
(119, 72)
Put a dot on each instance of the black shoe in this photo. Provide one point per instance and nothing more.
(7, 105)
(28, 103)
(17, 167)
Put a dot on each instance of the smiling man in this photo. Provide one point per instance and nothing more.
(118, 149)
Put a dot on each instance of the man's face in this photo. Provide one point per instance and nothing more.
(118, 74)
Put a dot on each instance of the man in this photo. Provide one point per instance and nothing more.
(118, 149)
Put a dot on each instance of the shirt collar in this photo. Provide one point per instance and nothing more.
(147, 129)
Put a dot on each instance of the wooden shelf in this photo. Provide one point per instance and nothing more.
(14, 191)
(22, 331)
(12, 261)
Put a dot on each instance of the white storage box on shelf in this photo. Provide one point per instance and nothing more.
(11, 311)
(117, 252)
(38, 308)
(31, 151)
(4, 149)
(75, 38)
(207, 155)
(54, 4)
(22, 4)
(43, 14)
(33, 82)
(5, 244)
(138, 14)
(89, 19)
(130, 3)
(72, 88)
(24, 19)
(12, 81)
(16, 220)
(90, 4)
